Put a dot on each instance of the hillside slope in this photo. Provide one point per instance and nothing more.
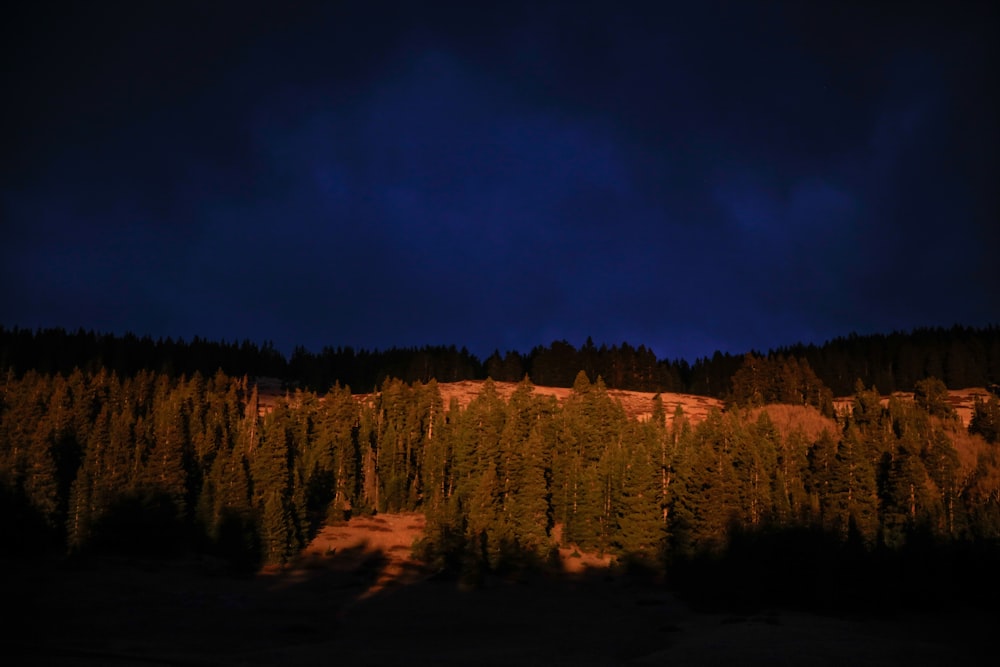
(637, 404)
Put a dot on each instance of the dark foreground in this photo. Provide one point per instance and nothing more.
(138, 613)
(146, 613)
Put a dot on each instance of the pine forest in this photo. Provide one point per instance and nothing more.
(159, 463)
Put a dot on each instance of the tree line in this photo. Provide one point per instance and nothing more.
(960, 356)
(156, 463)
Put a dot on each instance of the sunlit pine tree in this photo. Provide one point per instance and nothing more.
(425, 423)
(640, 531)
(440, 463)
(478, 454)
(24, 408)
(819, 480)
(908, 497)
(791, 504)
(339, 422)
(524, 490)
(392, 438)
(276, 529)
(755, 461)
(931, 395)
(706, 502)
(311, 482)
(272, 483)
(165, 471)
(942, 465)
(588, 434)
(986, 418)
(853, 488)
(42, 487)
(89, 496)
(675, 453)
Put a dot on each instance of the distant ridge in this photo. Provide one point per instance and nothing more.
(961, 356)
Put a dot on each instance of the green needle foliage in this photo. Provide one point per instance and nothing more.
(502, 481)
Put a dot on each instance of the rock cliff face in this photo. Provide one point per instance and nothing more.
(637, 404)
(961, 400)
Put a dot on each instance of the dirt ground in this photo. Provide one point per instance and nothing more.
(356, 597)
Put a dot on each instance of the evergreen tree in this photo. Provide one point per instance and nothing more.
(439, 466)
(986, 419)
(41, 484)
(791, 505)
(277, 534)
(755, 460)
(675, 455)
(399, 437)
(854, 492)
(478, 474)
(931, 394)
(867, 406)
(165, 471)
(486, 532)
(708, 503)
(640, 531)
(588, 439)
(819, 481)
(908, 503)
(97, 484)
(226, 499)
(340, 421)
(942, 465)
(273, 484)
(81, 514)
(524, 491)
(778, 379)
(754, 383)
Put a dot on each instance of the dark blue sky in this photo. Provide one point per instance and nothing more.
(691, 177)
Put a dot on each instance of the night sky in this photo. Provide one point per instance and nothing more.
(688, 176)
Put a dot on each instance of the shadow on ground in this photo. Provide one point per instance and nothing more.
(340, 607)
